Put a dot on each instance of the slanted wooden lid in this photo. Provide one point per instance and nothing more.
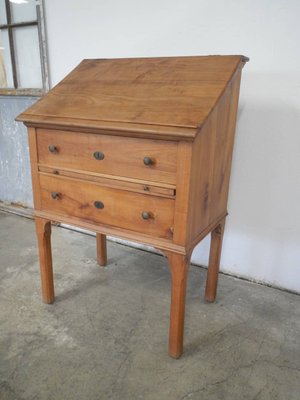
(162, 96)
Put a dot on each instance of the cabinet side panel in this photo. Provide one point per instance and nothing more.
(211, 163)
(226, 123)
(202, 178)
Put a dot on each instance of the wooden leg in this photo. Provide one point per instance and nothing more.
(179, 269)
(101, 249)
(214, 262)
(43, 231)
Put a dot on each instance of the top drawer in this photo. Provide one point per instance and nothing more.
(151, 160)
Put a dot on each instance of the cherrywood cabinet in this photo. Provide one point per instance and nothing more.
(140, 149)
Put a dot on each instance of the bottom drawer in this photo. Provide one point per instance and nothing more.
(150, 215)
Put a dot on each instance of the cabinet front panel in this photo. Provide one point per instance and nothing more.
(150, 215)
(146, 159)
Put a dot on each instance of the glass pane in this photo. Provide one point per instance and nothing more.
(28, 57)
(2, 12)
(6, 77)
(23, 10)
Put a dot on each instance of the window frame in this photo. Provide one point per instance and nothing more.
(40, 23)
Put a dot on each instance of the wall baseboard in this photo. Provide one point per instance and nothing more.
(27, 212)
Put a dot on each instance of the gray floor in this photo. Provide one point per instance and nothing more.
(105, 337)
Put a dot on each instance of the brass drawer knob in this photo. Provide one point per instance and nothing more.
(99, 155)
(98, 204)
(53, 149)
(146, 215)
(148, 161)
(55, 195)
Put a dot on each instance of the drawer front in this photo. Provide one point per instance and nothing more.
(119, 208)
(150, 160)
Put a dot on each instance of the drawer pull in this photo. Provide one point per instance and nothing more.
(148, 161)
(146, 215)
(55, 195)
(99, 205)
(53, 149)
(99, 155)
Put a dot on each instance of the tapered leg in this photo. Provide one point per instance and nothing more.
(101, 249)
(43, 231)
(179, 270)
(214, 262)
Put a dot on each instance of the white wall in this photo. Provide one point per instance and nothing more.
(262, 240)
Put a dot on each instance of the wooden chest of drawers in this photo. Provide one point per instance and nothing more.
(140, 149)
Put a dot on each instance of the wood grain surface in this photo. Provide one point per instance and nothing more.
(121, 208)
(171, 91)
(122, 156)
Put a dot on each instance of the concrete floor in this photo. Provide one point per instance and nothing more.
(105, 337)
